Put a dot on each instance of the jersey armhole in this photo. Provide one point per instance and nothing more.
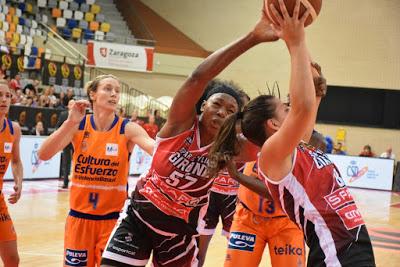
(265, 177)
(11, 126)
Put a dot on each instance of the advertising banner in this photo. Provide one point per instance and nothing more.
(33, 167)
(363, 172)
(119, 56)
(58, 73)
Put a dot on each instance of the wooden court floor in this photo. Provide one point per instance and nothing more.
(40, 214)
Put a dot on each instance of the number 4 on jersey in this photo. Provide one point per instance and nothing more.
(94, 199)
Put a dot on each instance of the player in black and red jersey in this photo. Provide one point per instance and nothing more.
(307, 184)
(166, 212)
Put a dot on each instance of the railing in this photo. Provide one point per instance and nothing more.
(134, 99)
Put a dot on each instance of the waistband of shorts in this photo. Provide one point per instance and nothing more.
(81, 215)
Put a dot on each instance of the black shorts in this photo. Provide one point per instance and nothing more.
(358, 253)
(144, 229)
(220, 205)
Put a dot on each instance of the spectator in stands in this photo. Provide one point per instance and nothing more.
(338, 149)
(158, 119)
(61, 98)
(121, 112)
(44, 99)
(67, 151)
(388, 154)
(135, 118)
(18, 97)
(69, 96)
(51, 96)
(151, 127)
(3, 71)
(367, 152)
(15, 83)
(38, 130)
(317, 140)
(34, 87)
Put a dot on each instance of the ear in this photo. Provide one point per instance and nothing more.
(272, 124)
(203, 105)
(92, 95)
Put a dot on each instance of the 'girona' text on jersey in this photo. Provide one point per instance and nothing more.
(186, 163)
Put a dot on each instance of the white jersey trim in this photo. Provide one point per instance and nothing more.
(260, 172)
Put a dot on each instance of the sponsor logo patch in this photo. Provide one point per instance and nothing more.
(350, 216)
(289, 250)
(339, 197)
(75, 257)
(111, 149)
(8, 147)
(242, 241)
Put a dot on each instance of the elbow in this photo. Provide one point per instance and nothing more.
(43, 155)
(198, 76)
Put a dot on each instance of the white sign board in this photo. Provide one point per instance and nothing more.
(33, 167)
(363, 172)
(119, 56)
(140, 161)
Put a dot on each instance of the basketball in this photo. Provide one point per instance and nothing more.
(313, 5)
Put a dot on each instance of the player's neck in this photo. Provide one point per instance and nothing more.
(103, 120)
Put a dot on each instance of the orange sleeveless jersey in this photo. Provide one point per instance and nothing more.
(224, 184)
(258, 205)
(6, 146)
(100, 168)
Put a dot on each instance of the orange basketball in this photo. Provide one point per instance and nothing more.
(313, 5)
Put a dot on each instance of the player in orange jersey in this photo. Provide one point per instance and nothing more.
(259, 221)
(10, 135)
(102, 144)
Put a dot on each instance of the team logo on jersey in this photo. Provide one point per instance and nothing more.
(7, 147)
(242, 241)
(111, 149)
(339, 198)
(75, 257)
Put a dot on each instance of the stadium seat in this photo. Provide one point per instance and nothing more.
(88, 35)
(61, 22)
(15, 38)
(94, 26)
(83, 24)
(39, 32)
(11, 11)
(76, 33)
(100, 17)
(78, 15)
(52, 4)
(22, 39)
(89, 17)
(45, 19)
(99, 35)
(9, 36)
(32, 32)
(56, 13)
(27, 49)
(38, 63)
(63, 5)
(22, 6)
(29, 40)
(19, 29)
(41, 3)
(95, 9)
(28, 23)
(29, 8)
(105, 27)
(2, 17)
(67, 13)
(80, 1)
(74, 6)
(21, 21)
(15, 19)
(34, 51)
(26, 30)
(72, 23)
(8, 18)
(90, 2)
(18, 12)
(84, 8)
(5, 10)
(66, 33)
(2, 36)
(110, 37)
(34, 24)
(6, 26)
(12, 27)
(40, 51)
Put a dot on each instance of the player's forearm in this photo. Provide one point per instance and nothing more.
(253, 184)
(17, 171)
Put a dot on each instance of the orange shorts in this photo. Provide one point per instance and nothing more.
(250, 234)
(85, 240)
(7, 231)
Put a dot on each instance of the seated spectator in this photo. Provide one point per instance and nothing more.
(44, 100)
(38, 130)
(367, 152)
(134, 118)
(69, 96)
(338, 149)
(318, 141)
(3, 71)
(388, 154)
(151, 127)
(121, 112)
(19, 96)
(159, 120)
(32, 87)
(52, 97)
(15, 83)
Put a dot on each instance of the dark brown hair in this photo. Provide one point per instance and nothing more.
(92, 86)
(226, 144)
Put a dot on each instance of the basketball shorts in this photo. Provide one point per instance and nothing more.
(7, 231)
(144, 229)
(220, 206)
(250, 234)
(85, 239)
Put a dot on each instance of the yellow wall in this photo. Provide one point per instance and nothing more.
(357, 137)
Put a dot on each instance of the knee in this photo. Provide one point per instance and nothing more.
(11, 260)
